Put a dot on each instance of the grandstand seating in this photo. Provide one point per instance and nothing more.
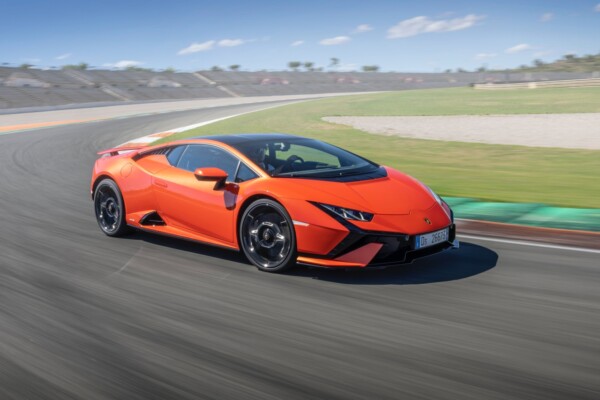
(54, 78)
(16, 97)
(33, 87)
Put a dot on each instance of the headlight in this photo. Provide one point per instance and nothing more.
(435, 196)
(442, 203)
(349, 214)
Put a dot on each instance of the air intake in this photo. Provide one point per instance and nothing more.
(152, 219)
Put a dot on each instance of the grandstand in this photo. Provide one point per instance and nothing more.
(21, 88)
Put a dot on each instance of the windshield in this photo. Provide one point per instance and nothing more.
(300, 157)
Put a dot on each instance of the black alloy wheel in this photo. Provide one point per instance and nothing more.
(109, 207)
(267, 236)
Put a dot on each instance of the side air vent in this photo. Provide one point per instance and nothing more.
(162, 150)
(152, 219)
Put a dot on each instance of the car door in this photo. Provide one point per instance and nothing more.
(186, 202)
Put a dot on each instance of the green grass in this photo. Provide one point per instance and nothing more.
(466, 101)
(489, 172)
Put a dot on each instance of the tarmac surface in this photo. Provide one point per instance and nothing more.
(33, 117)
(85, 316)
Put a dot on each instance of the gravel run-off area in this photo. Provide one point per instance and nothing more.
(569, 131)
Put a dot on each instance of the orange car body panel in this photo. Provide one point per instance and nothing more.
(191, 208)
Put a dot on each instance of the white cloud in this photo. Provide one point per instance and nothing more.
(123, 64)
(363, 28)
(210, 44)
(230, 42)
(518, 48)
(547, 17)
(196, 47)
(297, 43)
(542, 53)
(483, 56)
(419, 25)
(597, 8)
(63, 56)
(334, 41)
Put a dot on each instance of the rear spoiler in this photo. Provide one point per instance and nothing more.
(118, 150)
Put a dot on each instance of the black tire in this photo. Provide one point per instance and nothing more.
(110, 208)
(267, 236)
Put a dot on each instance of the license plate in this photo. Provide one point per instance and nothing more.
(429, 239)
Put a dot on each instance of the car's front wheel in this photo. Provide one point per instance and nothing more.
(110, 209)
(267, 236)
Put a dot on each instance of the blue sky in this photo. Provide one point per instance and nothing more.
(425, 36)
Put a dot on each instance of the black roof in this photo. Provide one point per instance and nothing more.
(248, 137)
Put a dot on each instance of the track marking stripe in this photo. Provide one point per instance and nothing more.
(542, 228)
(212, 121)
(533, 244)
(148, 139)
(36, 125)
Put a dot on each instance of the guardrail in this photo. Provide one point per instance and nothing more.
(591, 82)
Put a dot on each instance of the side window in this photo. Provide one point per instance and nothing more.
(204, 156)
(174, 154)
(245, 174)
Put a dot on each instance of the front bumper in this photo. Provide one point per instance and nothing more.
(377, 250)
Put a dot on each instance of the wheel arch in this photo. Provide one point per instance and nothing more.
(99, 179)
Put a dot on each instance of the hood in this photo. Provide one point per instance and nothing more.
(396, 193)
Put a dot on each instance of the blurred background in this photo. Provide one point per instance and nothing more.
(496, 106)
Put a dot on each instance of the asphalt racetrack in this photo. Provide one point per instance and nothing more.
(86, 316)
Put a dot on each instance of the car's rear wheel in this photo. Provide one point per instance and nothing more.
(110, 209)
(267, 236)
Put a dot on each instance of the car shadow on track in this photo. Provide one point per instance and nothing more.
(189, 246)
(471, 259)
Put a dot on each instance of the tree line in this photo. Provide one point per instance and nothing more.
(568, 63)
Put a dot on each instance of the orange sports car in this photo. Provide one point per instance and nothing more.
(281, 199)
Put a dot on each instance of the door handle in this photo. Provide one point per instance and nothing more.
(160, 183)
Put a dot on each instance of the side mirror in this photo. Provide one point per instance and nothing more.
(212, 174)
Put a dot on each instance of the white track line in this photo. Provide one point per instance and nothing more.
(148, 139)
(533, 244)
(212, 121)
